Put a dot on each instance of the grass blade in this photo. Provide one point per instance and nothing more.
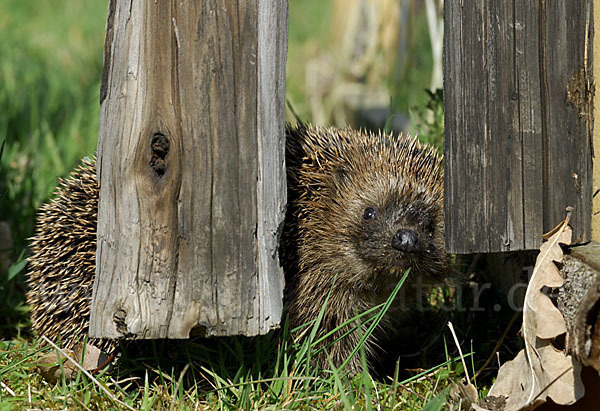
(378, 318)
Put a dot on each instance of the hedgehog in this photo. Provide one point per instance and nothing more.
(362, 209)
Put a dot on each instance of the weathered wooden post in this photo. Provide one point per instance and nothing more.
(596, 141)
(518, 122)
(520, 143)
(580, 300)
(191, 169)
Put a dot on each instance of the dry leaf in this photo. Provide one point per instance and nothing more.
(50, 367)
(541, 371)
(560, 380)
(465, 394)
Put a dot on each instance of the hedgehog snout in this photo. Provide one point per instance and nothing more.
(406, 240)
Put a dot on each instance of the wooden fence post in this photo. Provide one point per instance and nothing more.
(518, 90)
(191, 169)
(596, 137)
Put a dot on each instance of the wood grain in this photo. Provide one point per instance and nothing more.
(191, 169)
(518, 122)
(596, 138)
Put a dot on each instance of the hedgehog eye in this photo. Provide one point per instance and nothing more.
(369, 213)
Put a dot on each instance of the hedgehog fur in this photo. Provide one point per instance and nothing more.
(62, 266)
(350, 194)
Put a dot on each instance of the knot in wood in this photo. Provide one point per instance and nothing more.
(160, 148)
(119, 318)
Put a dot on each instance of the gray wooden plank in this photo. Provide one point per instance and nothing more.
(567, 42)
(530, 123)
(514, 141)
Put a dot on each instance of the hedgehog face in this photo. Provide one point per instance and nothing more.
(368, 207)
(396, 230)
(394, 235)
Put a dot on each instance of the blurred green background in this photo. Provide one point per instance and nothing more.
(365, 63)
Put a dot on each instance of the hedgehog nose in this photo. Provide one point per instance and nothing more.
(405, 240)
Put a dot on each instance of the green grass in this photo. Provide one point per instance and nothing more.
(49, 91)
(270, 372)
(309, 34)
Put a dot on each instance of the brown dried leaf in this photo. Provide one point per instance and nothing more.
(560, 380)
(465, 394)
(93, 356)
(541, 371)
(50, 364)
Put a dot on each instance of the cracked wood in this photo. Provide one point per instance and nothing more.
(191, 169)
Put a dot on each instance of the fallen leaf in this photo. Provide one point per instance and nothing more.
(93, 356)
(51, 365)
(541, 371)
(465, 394)
(560, 380)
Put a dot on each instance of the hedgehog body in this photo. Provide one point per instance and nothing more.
(362, 208)
(63, 262)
